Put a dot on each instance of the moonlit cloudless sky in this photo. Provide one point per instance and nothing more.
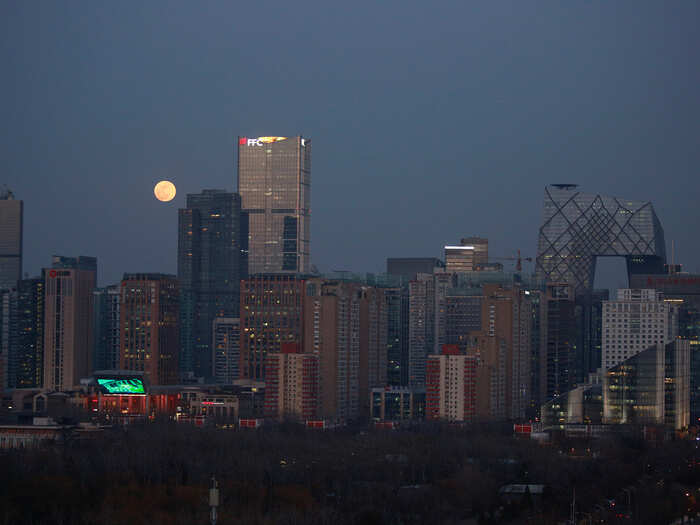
(430, 121)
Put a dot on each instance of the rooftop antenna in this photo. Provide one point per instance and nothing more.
(6, 194)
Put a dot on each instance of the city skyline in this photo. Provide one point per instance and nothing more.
(493, 317)
(456, 136)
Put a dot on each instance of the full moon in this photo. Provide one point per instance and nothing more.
(164, 191)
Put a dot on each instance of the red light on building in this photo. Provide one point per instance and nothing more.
(242, 141)
(52, 274)
(450, 350)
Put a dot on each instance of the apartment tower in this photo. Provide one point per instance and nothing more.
(68, 322)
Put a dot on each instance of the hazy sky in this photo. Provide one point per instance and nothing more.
(430, 120)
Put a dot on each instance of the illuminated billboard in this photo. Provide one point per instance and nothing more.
(131, 386)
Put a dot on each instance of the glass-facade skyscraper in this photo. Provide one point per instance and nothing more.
(579, 227)
(107, 328)
(274, 181)
(212, 260)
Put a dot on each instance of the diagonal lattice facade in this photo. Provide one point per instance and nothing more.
(579, 227)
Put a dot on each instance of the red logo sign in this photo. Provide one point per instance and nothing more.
(242, 141)
(52, 274)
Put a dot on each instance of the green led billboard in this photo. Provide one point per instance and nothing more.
(122, 386)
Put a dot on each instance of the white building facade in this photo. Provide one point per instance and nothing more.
(637, 320)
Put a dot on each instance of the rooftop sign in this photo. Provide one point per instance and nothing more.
(245, 141)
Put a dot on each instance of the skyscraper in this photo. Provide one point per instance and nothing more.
(8, 309)
(212, 260)
(397, 335)
(68, 286)
(107, 328)
(27, 348)
(272, 313)
(274, 181)
(557, 325)
(226, 343)
(11, 211)
(468, 256)
(332, 331)
(149, 338)
(579, 227)
(506, 315)
(421, 323)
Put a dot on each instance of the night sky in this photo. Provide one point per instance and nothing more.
(430, 121)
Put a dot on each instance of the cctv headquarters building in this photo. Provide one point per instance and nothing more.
(274, 181)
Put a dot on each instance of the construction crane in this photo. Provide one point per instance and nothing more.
(519, 259)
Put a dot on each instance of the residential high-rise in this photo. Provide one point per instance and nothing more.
(462, 315)
(68, 323)
(11, 216)
(506, 315)
(397, 335)
(149, 339)
(634, 322)
(272, 313)
(451, 385)
(27, 348)
(291, 384)
(579, 227)
(421, 326)
(332, 331)
(8, 309)
(274, 181)
(226, 349)
(468, 256)
(212, 260)
(107, 328)
(373, 342)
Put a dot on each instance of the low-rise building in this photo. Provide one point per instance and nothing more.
(397, 404)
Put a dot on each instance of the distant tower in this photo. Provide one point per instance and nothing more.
(68, 285)
(11, 212)
(107, 328)
(149, 320)
(468, 256)
(212, 260)
(274, 181)
(580, 227)
(28, 345)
